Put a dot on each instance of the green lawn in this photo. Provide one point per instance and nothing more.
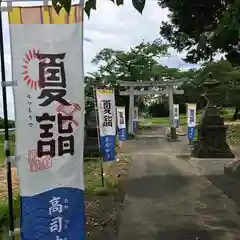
(165, 120)
(228, 113)
(12, 140)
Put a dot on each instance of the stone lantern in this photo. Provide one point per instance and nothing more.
(211, 139)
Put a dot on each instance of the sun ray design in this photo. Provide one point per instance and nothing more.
(30, 55)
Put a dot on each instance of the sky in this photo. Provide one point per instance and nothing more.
(109, 27)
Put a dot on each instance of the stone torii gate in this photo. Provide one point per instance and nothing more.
(169, 90)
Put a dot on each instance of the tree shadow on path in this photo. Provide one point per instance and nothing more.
(189, 233)
(155, 186)
(229, 187)
(208, 205)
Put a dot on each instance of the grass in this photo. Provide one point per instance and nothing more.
(93, 178)
(4, 220)
(165, 120)
(92, 174)
(233, 135)
(12, 147)
(227, 115)
(2, 155)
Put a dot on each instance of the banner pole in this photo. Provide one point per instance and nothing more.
(98, 133)
(6, 142)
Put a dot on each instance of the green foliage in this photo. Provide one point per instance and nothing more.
(11, 123)
(182, 108)
(4, 219)
(91, 5)
(158, 110)
(228, 76)
(203, 28)
(139, 63)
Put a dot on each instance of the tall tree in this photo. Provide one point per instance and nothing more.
(225, 73)
(203, 28)
(229, 77)
(139, 63)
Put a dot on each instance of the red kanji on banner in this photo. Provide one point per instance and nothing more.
(38, 164)
(69, 111)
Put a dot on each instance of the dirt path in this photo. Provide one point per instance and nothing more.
(3, 182)
(173, 199)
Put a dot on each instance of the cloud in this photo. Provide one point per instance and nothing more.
(121, 27)
(109, 27)
(175, 61)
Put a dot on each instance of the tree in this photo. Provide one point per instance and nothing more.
(191, 89)
(11, 123)
(139, 63)
(91, 5)
(203, 28)
(229, 77)
(225, 73)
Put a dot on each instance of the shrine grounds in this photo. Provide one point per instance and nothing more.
(104, 204)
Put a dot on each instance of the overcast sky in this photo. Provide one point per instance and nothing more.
(111, 27)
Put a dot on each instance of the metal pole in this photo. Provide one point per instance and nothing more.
(6, 143)
(98, 133)
(131, 108)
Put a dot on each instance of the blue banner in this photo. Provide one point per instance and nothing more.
(60, 215)
(108, 148)
(122, 134)
(191, 133)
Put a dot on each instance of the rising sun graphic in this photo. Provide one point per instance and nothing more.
(31, 68)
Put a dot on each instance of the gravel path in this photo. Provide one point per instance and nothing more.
(172, 199)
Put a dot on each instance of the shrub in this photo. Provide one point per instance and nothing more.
(158, 110)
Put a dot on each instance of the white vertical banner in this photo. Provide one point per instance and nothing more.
(191, 119)
(47, 64)
(107, 122)
(135, 119)
(121, 123)
(135, 114)
(176, 115)
(191, 114)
